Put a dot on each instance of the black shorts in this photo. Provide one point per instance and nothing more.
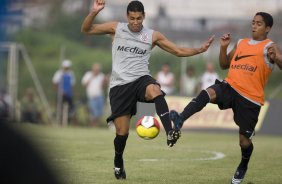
(123, 99)
(245, 112)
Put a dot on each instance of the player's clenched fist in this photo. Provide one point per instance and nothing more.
(225, 39)
(98, 5)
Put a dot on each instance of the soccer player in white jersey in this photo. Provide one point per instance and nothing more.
(131, 80)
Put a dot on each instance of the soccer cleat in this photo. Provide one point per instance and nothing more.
(176, 118)
(238, 176)
(120, 173)
(172, 137)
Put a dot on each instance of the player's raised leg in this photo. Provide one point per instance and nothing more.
(196, 105)
(153, 92)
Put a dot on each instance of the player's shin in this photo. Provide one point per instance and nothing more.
(246, 155)
(163, 112)
(196, 104)
(119, 143)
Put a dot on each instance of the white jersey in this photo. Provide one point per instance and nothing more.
(208, 79)
(93, 83)
(166, 81)
(130, 54)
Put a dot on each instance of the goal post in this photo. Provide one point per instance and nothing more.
(15, 50)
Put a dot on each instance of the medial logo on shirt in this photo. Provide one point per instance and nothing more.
(144, 37)
(245, 67)
(134, 50)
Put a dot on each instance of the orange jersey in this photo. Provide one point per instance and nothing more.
(249, 69)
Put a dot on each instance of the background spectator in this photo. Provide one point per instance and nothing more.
(94, 81)
(64, 81)
(209, 76)
(166, 79)
(4, 106)
(30, 108)
(189, 82)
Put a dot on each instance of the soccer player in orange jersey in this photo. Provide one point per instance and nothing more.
(250, 64)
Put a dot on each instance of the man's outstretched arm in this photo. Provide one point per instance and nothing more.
(165, 44)
(89, 28)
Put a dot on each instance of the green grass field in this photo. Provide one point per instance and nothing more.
(85, 155)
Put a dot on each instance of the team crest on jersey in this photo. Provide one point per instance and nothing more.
(144, 37)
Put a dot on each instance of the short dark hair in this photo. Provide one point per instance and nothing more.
(267, 18)
(135, 6)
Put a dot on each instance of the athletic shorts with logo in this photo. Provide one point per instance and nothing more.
(245, 112)
(124, 98)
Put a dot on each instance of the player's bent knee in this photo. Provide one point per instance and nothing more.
(245, 142)
(122, 131)
(212, 94)
(122, 125)
(152, 91)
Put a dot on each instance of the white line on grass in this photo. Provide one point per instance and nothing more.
(217, 155)
(149, 160)
(214, 156)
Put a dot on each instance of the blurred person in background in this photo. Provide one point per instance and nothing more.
(189, 82)
(130, 78)
(4, 106)
(64, 81)
(166, 79)
(95, 81)
(30, 108)
(250, 64)
(209, 76)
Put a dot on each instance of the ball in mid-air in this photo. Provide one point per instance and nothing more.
(147, 127)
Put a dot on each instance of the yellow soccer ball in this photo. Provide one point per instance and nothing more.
(147, 127)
